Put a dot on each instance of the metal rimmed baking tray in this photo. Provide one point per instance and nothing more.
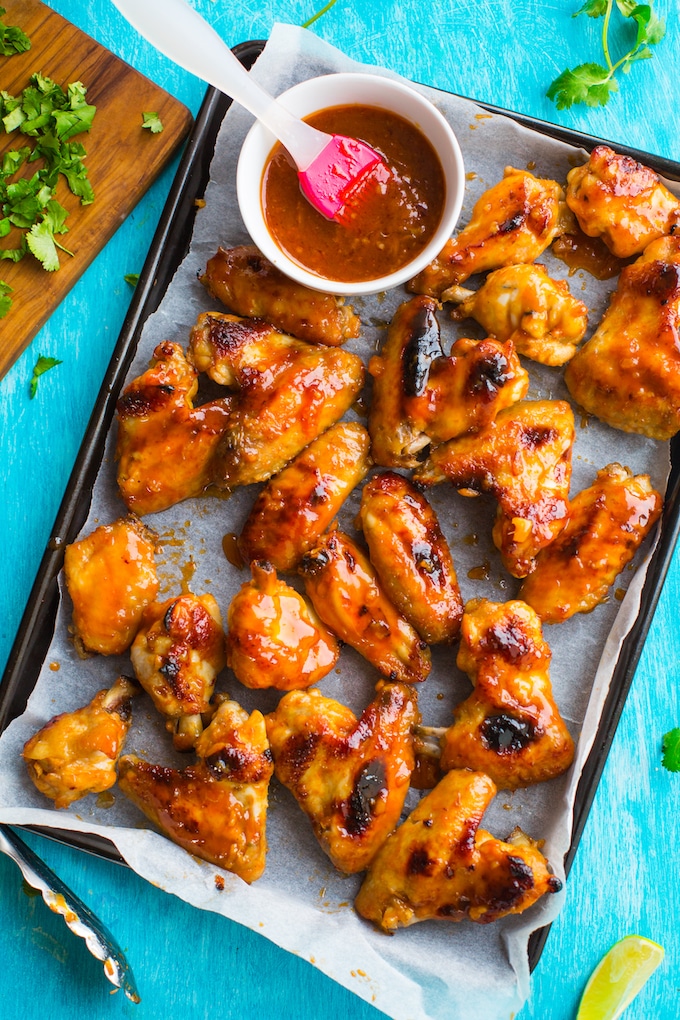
(167, 251)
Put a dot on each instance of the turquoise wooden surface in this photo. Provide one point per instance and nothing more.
(195, 965)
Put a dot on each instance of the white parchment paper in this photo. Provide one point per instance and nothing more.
(434, 970)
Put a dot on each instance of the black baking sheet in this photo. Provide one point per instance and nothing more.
(167, 251)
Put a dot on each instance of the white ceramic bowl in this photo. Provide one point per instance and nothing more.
(339, 90)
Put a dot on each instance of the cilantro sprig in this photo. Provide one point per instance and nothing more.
(670, 746)
(594, 83)
(41, 366)
(12, 38)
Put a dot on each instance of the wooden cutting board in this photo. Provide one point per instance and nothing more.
(123, 159)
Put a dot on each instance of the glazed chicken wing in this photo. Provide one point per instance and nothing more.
(249, 284)
(622, 201)
(628, 373)
(165, 444)
(289, 392)
(440, 865)
(75, 753)
(411, 556)
(350, 776)
(509, 727)
(216, 809)
(274, 638)
(523, 457)
(295, 507)
(514, 221)
(523, 304)
(111, 577)
(176, 655)
(607, 522)
(347, 595)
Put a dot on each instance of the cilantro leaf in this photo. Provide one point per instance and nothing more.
(41, 366)
(132, 279)
(670, 746)
(588, 83)
(5, 299)
(152, 122)
(12, 39)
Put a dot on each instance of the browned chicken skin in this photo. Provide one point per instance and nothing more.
(509, 727)
(216, 809)
(622, 201)
(523, 304)
(111, 578)
(607, 522)
(249, 284)
(628, 373)
(440, 865)
(289, 392)
(411, 556)
(274, 638)
(514, 221)
(350, 776)
(523, 457)
(346, 593)
(165, 444)
(75, 753)
(176, 656)
(295, 507)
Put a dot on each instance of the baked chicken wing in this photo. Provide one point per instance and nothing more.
(525, 305)
(628, 373)
(250, 285)
(274, 638)
(411, 556)
(440, 865)
(295, 507)
(350, 776)
(75, 753)
(523, 458)
(347, 595)
(165, 444)
(514, 221)
(289, 392)
(607, 522)
(217, 808)
(176, 656)
(622, 201)
(111, 577)
(509, 727)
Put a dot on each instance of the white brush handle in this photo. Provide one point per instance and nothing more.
(178, 31)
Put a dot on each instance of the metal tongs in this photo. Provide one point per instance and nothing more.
(78, 917)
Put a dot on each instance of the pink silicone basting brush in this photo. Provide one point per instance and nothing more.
(330, 167)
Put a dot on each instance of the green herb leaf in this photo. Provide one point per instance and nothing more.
(588, 83)
(152, 122)
(41, 366)
(670, 746)
(132, 279)
(5, 299)
(12, 39)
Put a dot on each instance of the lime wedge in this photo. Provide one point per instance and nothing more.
(618, 978)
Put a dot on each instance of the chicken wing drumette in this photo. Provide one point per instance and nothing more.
(628, 373)
(514, 221)
(525, 305)
(111, 577)
(165, 445)
(217, 808)
(346, 593)
(411, 556)
(249, 284)
(274, 637)
(523, 457)
(509, 727)
(350, 776)
(289, 392)
(440, 865)
(176, 656)
(295, 507)
(622, 201)
(75, 753)
(607, 522)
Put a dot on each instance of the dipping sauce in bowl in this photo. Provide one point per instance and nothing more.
(391, 220)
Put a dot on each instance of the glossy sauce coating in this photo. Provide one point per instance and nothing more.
(389, 224)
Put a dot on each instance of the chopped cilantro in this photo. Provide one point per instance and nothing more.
(12, 39)
(5, 299)
(152, 122)
(41, 366)
(132, 279)
(670, 746)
